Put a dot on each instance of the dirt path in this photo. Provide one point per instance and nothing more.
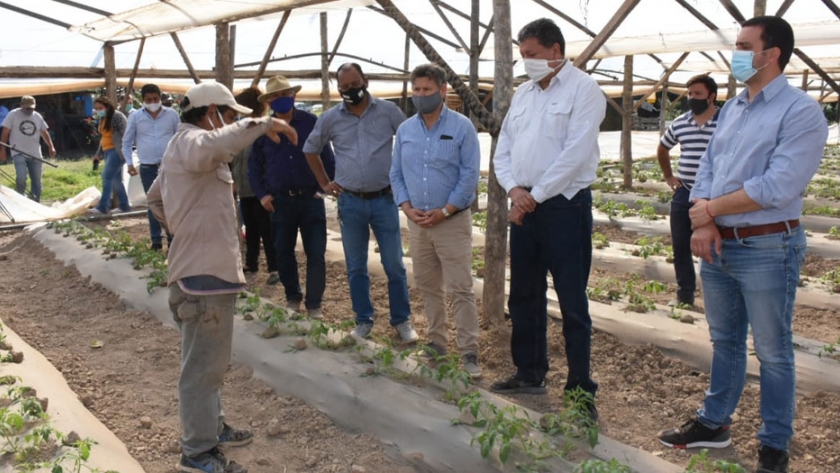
(135, 374)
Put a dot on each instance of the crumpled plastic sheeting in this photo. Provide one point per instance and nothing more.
(25, 210)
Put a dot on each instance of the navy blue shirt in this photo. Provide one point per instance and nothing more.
(277, 167)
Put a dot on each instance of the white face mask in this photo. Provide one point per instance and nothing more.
(537, 69)
(152, 107)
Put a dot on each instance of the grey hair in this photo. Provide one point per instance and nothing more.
(430, 71)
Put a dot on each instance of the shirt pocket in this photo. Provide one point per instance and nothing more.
(556, 124)
(444, 152)
(517, 119)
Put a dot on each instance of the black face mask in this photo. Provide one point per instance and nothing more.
(354, 96)
(698, 106)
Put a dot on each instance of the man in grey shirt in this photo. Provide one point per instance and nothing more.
(361, 130)
(23, 129)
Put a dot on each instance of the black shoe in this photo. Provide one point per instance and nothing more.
(250, 269)
(157, 246)
(693, 434)
(273, 278)
(771, 460)
(593, 412)
(514, 385)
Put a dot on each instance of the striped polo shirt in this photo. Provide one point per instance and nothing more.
(693, 140)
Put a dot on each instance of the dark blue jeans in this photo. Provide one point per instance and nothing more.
(556, 238)
(307, 214)
(681, 243)
(257, 222)
(148, 174)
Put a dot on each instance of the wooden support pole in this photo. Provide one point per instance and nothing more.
(270, 49)
(733, 10)
(186, 58)
(604, 35)
(450, 26)
(224, 69)
(784, 8)
(805, 80)
(426, 32)
(677, 100)
(232, 49)
(663, 109)
(816, 68)
(485, 118)
(760, 8)
(319, 54)
(833, 7)
(731, 87)
(110, 72)
(474, 51)
(486, 36)
(404, 102)
(495, 246)
(340, 37)
(129, 91)
(627, 123)
(661, 81)
(325, 65)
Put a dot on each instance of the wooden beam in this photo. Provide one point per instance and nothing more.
(760, 8)
(627, 123)
(37, 16)
(325, 65)
(474, 45)
(270, 49)
(783, 8)
(224, 69)
(130, 89)
(448, 24)
(486, 36)
(340, 36)
(698, 15)
(462, 14)
(404, 103)
(725, 61)
(614, 105)
(186, 58)
(422, 30)
(566, 17)
(110, 72)
(833, 7)
(676, 101)
(604, 35)
(232, 47)
(349, 56)
(731, 87)
(733, 10)
(495, 249)
(805, 80)
(485, 118)
(661, 81)
(816, 68)
(663, 109)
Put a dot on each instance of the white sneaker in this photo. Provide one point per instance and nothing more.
(95, 211)
(407, 332)
(362, 330)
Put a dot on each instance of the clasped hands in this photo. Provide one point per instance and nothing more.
(522, 203)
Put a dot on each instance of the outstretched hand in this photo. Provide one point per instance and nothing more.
(281, 127)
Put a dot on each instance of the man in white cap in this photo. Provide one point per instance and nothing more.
(23, 129)
(193, 200)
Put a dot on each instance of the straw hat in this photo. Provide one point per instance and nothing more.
(278, 84)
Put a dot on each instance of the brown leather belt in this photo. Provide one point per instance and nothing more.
(370, 195)
(731, 233)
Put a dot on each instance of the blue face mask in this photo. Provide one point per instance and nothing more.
(742, 65)
(282, 104)
(101, 113)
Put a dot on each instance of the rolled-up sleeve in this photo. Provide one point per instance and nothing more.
(396, 176)
(319, 136)
(795, 158)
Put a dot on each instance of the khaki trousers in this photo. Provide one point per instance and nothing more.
(442, 259)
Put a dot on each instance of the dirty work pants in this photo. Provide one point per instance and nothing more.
(206, 325)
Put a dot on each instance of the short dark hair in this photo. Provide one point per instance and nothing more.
(430, 71)
(250, 98)
(149, 89)
(546, 32)
(775, 33)
(350, 65)
(706, 80)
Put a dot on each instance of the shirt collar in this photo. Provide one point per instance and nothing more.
(769, 91)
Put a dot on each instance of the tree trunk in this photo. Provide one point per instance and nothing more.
(224, 71)
(325, 65)
(495, 249)
(627, 123)
(110, 72)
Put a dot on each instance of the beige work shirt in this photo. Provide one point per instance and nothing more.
(192, 197)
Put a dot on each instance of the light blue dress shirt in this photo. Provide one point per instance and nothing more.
(150, 135)
(771, 148)
(433, 167)
(362, 145)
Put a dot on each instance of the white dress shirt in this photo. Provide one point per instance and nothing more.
(549, 138)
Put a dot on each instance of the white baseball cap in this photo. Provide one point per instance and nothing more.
(210, 93)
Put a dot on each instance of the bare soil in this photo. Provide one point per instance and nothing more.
(642, 391)
(135, 374)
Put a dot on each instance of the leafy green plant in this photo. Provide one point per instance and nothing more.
(479, 219)
(648, 247)
(833, 233)
(599, 240)
(601, 466)
(646, 210)
(701, 463)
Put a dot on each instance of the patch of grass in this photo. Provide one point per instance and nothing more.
(68, 179)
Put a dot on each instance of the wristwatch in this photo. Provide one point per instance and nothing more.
(445, 212)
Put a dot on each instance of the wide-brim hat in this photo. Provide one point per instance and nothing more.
(209, 93)
(278, 84)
